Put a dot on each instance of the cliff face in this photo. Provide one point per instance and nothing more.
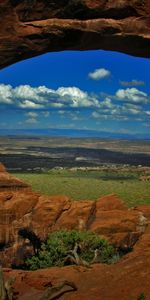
(22, 209)
(32, 27)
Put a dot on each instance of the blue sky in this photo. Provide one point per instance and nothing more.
(99, 90)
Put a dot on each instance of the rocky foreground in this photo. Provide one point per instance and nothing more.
(127, 229)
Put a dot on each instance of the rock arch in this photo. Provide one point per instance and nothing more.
(33, 27)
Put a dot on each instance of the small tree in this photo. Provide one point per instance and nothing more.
(72, 247)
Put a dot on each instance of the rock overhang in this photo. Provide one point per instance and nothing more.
(33, 27)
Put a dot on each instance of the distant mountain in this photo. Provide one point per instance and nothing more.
(74, 133)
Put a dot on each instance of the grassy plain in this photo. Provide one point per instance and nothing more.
(90, 185)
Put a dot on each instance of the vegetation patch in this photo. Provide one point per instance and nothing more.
(90, 185)
(141, 297)
(72, 247)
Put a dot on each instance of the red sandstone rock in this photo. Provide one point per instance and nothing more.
(43, 214)
(110, 222)
(29, 28)
(22, 208)
(110, 202)
(145, 209)
(8, 181)
(126, 228)
(78, 216)
(47, 212)
(2, 168)
(122, 281)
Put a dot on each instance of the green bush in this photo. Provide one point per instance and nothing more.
(68, 247)
(141, 297)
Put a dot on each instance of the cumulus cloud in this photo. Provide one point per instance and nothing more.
(30, 93)
(99, 74)
(111, 116)
(6, 94)
(74, 97)
(132, 95)
(131, 83)
(27, 97)
(129, 108)
(37, 102)
(117, 111)
(30, 104)
(107, 104)
(32, 116)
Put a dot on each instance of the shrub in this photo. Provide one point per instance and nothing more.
(72, 247)
(141, 297)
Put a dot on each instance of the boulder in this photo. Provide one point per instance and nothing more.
(2, 168)
(110, 202)
(9, 182)
(78, 216)
(47, 213)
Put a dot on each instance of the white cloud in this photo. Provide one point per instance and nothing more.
(146, 124)
(111, 116)
(31, 117)
(31, 93)
(147, 112)
(6, 94)
(31, 121)
(99, 74)
(25, 92)
(71, 91)
(133, 82)
(76, 118)
(57, 105)
(61, 112)
(31, 114)
(110, 110)
(95, 114)
(30, 104)
(107, 103)
(67, 101)
(131, 109)
(132, 95)
(74, 97)
(27, 97)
